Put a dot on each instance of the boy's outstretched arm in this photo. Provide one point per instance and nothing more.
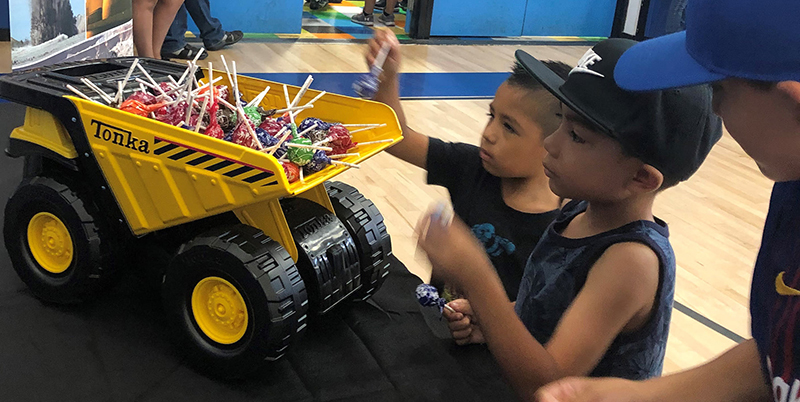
(735, 376)
(414, 147)
(601, 311)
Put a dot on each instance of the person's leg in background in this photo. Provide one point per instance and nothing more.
(175, 46)
(163, 15)
(387, 16)
(365, 17)
(143, 27)
(214, 37)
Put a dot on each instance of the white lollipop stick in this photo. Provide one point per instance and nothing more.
(197, 57)
(337, 156)
(172, 80)
(225, 64)
(352, 165)
(313, 126)
(211, 82)
(381, 57)
(118, 98)
(146, 74)
(236, 81)
(294, 109)
(286, 95)
(204, 86)
(302, 91)
(97, 89)
(302, 179)
(81, 94)
(295, 145)
(374, 142)
(200, 117)
(257, 100)
(185, 72)
(120, 90)
(325, 141)
(366, 128)
(281, 140)
(316, 98)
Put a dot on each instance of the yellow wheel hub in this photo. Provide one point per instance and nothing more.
(219, 310)
(50, 242)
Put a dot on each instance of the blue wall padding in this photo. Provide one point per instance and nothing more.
(569, 17)
(262, 16)
(484, 18)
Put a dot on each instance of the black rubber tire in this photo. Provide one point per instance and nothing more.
(95, 255)
(264, 275)
(365, 223)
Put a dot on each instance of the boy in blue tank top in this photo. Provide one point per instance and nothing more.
(597, 291)
(750, 51)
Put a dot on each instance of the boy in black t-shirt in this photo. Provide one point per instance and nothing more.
(499, 189)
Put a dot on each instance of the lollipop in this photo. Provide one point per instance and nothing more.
(215, 131)
(241, 135)
(292, 171)
(317, 163)
(428, 296)
(317, 135)
(171, 114)
(135, 107)
(340, 139)
(227, 119)
(300, 156)
(143, 97)
(252, 113)
(366, 86)
(309, 121)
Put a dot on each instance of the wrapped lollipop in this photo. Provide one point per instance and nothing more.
(292, 171)
(253, 115)
(317, 135)
(340, 139)
(428, 296)
(215, 131)
(366, 86)
(227, 119)
(172, 114)
(143, 97)
(321, 160)
(300, 156)
(309, 121)
(241, 135)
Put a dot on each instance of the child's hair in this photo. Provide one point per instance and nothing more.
(547, 104)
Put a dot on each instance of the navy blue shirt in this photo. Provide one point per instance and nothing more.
(507, 235)
(775, 298)
(557, 271)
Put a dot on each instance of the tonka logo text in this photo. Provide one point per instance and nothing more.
(118, 136)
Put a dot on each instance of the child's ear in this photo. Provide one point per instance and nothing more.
(647, 178)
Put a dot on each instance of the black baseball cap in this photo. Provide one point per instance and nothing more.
(672, 130)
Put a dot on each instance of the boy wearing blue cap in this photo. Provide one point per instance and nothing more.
(750, 51)
(596, 294)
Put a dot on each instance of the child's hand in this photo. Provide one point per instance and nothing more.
(455, 254)
(591, 390)
(392, 64)
(463, 325)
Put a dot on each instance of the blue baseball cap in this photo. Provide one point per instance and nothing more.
(757, 40)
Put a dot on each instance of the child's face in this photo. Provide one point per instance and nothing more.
(585, 164)
(511, 145)
(765, 122)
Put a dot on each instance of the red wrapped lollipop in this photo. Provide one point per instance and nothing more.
(143, 97)
(215, 131)
(292, 171)
(171, 114)
(340, 139)
(242, 136)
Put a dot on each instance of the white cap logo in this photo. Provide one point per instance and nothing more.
(588, 60)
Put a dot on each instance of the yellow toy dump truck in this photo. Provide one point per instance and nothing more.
(248, 254)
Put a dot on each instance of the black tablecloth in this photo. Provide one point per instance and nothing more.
(117, 348)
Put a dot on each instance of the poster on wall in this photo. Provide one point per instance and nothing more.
(45, 32)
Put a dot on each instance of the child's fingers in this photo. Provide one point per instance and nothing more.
(462, 306)
(460, 325)
(451, 315)
(461, 334)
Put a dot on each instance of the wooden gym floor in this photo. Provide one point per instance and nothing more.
(715, 218)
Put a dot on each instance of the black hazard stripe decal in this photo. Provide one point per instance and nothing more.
(213, 162)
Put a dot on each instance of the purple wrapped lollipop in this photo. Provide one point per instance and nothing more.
(309, 121)
(428, 296)
(318, 162)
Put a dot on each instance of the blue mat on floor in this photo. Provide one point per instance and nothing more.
(412, 85)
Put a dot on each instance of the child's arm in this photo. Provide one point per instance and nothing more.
(414, 147)
(607, 303)
(735, 376)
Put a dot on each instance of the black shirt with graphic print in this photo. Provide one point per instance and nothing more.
(508, 235)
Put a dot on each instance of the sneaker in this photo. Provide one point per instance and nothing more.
(188, 52)
(362, 19)
(228, 39)
(387, 20)
(381, 4)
